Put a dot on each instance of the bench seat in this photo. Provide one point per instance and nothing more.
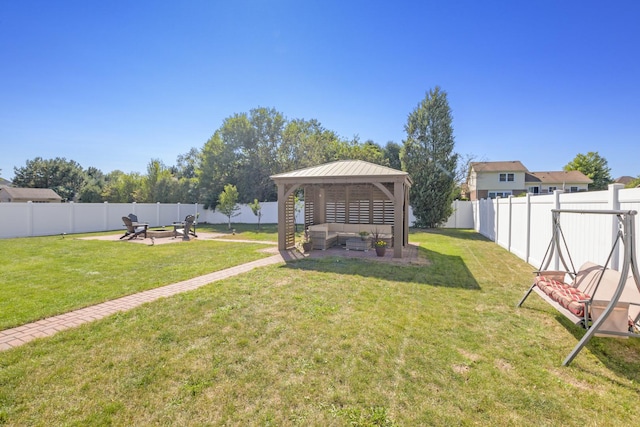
(564, 294)
(324, 236)
(586, 297)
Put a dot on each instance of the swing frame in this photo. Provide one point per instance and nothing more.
(626, 236)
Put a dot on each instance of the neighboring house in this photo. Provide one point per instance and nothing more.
(548, 182)
(624, 180)
(493, 179)
(503, 179)
(23, 195)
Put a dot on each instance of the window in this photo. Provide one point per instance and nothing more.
(504, 177)
(551, 189)
(534, 190)
(574, 189)
(503, 194)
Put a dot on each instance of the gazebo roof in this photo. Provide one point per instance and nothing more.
(344, 171)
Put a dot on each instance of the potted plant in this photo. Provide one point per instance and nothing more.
(364, 235)
(307, 243)
(381, 247)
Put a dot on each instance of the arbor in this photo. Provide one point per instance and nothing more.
(427, 155)
(594, 166)
(63, 176)
(227, 202)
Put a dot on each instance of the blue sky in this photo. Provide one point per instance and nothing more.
(113, 84)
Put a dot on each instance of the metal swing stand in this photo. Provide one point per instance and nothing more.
(626, 234)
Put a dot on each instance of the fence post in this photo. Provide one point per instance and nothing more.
(157, 215)
(105, 213)
(29, 218)
(72, 217)
(510, 222)
(614, 204)
(556, 205)
(527, 239)
(496, 219)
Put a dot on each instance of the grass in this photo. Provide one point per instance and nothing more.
(266, 233)
(333, 341)
(44, 276)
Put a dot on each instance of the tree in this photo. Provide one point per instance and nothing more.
(218, 163)
(228, 200)
(392, 155)
(593, 166)
(634, 183)
(63, 176)
(91, 191)
(256, 208)
(428, 156)
(462, 174)
(124, 188)
(187, 164)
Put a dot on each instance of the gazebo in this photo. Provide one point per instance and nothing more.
(347, 192)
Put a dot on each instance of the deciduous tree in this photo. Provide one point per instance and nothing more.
(228, 202)
(594, 166)
(256, 208)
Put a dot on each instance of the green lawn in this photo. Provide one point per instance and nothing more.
(333, 342)
(44, 276)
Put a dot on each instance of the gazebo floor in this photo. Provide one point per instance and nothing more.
(409, 255)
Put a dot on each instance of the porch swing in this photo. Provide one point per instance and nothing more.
(603, 301)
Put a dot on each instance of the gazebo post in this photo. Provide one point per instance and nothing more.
(398, 219)
(282, 226)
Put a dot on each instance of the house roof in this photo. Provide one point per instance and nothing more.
(345, 170)
(624, 180)
(508, 166)
(31, 193)
(557, 177)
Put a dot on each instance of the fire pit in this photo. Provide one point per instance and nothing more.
(160, 232)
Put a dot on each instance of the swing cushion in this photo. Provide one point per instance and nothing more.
(570, 298)
(565, 295)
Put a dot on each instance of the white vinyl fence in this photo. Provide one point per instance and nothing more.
(42, 219)
(523, 225)
(45, 219)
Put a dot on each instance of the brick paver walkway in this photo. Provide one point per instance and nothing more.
(14, 337)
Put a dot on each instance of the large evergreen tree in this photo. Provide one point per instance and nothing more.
(428, 156)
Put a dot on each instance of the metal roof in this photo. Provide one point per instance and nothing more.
(345, 169)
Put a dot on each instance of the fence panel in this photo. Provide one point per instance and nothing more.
(540, 227)
(503, 222)
(15, 220)
(51, 218)
(519, 242)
